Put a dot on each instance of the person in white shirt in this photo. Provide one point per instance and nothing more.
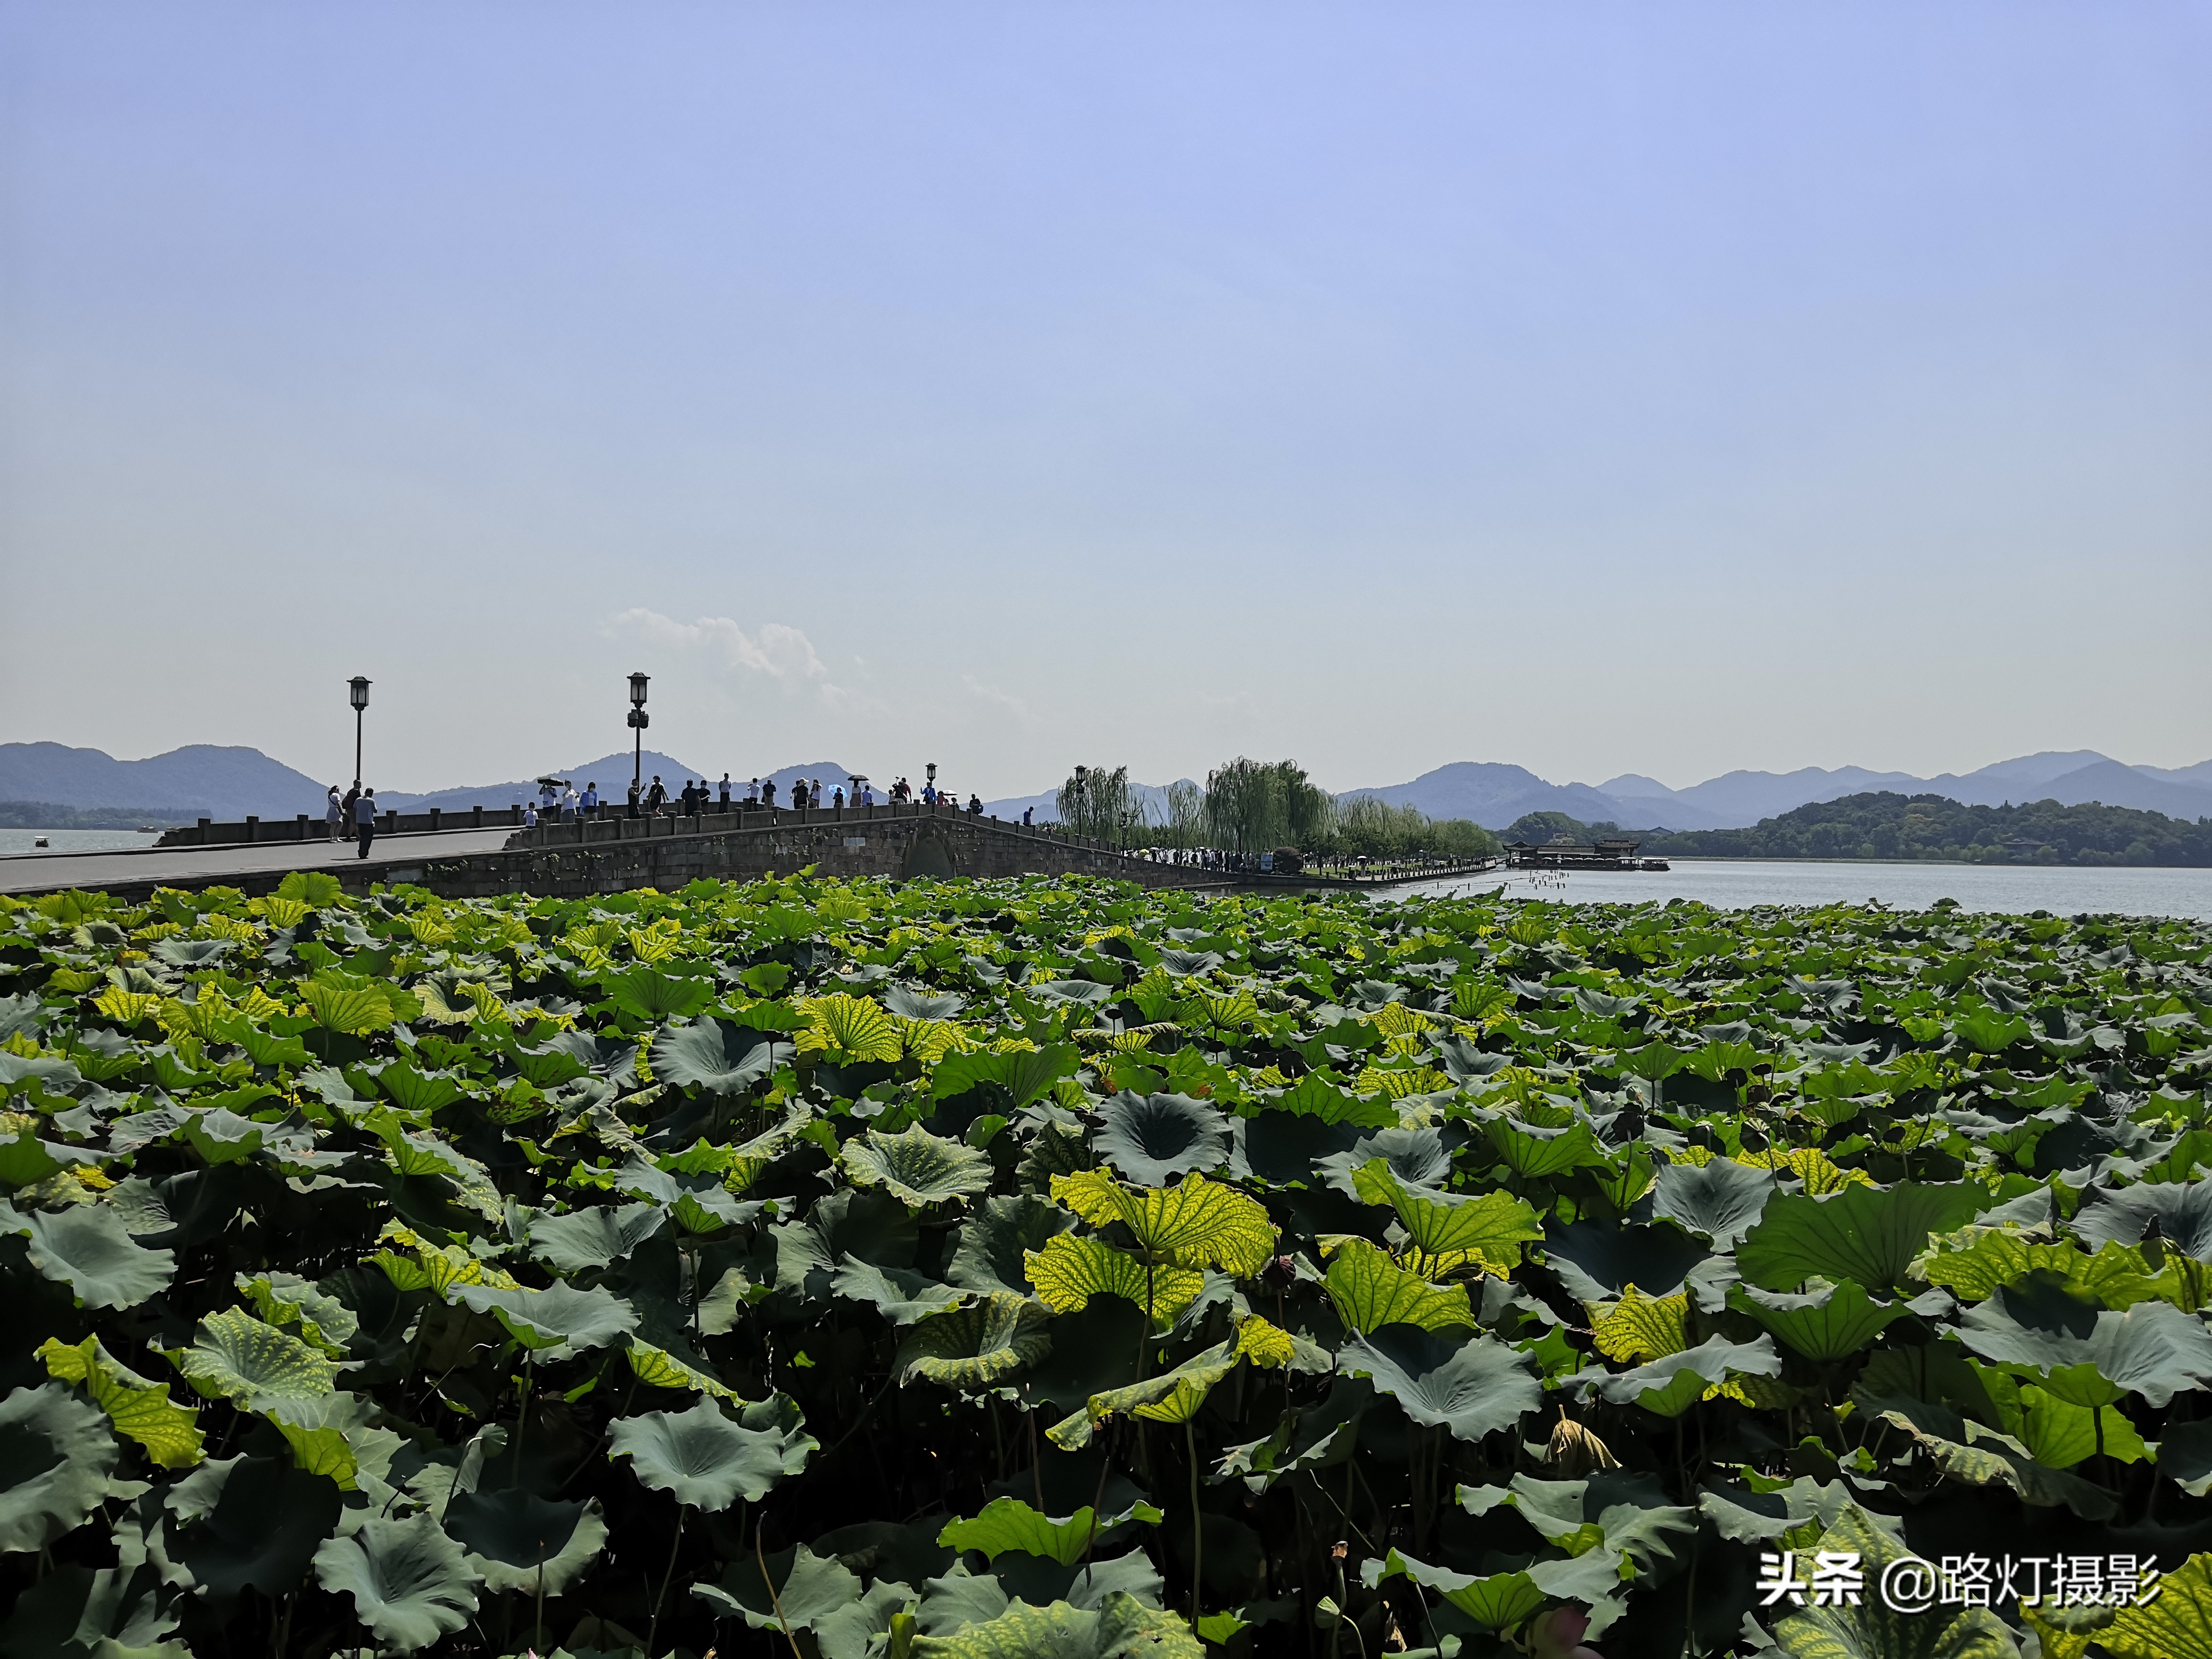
(530, 815)
(334, 811)
(752, 792)
(570, 801)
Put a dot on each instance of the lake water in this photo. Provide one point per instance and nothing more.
(1739, 883)
(74, 840)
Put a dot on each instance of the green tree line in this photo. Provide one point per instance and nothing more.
(1256, 806)
(1883, 825)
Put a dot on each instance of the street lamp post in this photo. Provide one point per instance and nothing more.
(638, 719)
(359, 689)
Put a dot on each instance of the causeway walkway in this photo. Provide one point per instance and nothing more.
(46, 872)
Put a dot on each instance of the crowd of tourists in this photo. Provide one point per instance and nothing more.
(558, 799)
(354, 812)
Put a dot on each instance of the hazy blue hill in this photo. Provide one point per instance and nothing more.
(200, 779)
(1494, 794)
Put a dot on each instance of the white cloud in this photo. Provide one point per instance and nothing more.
(776, 650)
(1017, 706)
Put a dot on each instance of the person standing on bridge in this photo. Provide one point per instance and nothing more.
(590, 802)
(657, 797)
(364, 820)
(726, 792)
(334, 813)
(633, 798)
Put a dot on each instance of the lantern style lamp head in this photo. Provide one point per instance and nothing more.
(359, 685)
(637, 683)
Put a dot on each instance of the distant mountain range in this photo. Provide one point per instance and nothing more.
(1494, 795)
(227, 783)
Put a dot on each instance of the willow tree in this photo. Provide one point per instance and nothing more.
(1257, 805)
(1101, 804)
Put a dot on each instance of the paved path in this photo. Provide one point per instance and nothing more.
(45, 872)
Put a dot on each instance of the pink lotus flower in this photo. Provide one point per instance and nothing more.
(1559, 1635)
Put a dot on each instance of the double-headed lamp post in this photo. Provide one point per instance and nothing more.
(638, 719)
(359, 690)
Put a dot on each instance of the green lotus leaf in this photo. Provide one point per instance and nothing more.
(354, 1010)
(647, 994)
(2175, 1624)
(236, 1357)
(316, 889)
(1744, 1516)
(991, 1247)
(1869, 1234)
(1023, 1074)
(1975, 1262)
(1673, 1383)
(658, 1368)
(1598, 1261)
(1121, 1627)
(908, 1003)
(517, 1540)
(1008, 1524)
(796, 1591)
(1474, 1387)
(75, 1612)
(1371, 1291)
(593, 1237)
(1068, 1272)
(1486, 1230)
(1171, 1397)
(1534, 1152)
(865, 1225)
(2180, 1211)
(562, 1059)
(1197, 1220)
(89, 1249)
(1872, 1629)
(1991, 1032)
(976, 1346)
(1721, 1198)
(56, 1456)
(708, 1462)
(1319, 1094)
(415, 1090)
(140, 1410)
(190, 952)
(558, 1321)
(2185, 1457)
(717, 1056)
(2086, 1355)
(850, 1026)
(1826, 1324)
(900, 1294)
(230, 1544)
(1152, 1139)
(1501, 1598)
(917, 1167)
(2057, 1431)
(410, 1582)
(1624, 1514)
(1979, 1455)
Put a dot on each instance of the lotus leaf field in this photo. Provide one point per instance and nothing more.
(1052, 1267)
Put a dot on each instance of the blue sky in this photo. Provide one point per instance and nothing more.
(1665, 389)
